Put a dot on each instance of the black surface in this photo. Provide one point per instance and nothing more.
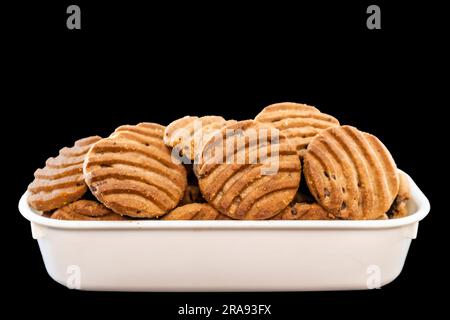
(130, 64)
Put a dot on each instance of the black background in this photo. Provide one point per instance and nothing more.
(132, 63)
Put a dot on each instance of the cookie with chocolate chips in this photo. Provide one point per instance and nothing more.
(350, 173)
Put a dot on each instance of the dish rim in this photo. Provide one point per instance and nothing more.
(420, 200)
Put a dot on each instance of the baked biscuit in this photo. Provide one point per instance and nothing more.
(248, 171)
(399, 208)
(188, 134)
(132, 172)
(195, 211)
(350, 173)
(61, 181)
(86, 210)
(299, 122)
(304, 211)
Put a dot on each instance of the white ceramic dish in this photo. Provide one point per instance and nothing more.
(226, 255)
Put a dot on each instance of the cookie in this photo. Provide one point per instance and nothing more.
(195, 211)
(132, 172)
(399, 208)
(61, 181)
(248, 171)
(299, 122)
(188, 134)
(86, 210)
(350, 173)
(304, 211)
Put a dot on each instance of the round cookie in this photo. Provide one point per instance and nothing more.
(195, 211)
(350, 173)
(132, 172)
(86, 210)
(245, 175)
(188, 134)
(299, 122)
(61, 181)
(304, 211)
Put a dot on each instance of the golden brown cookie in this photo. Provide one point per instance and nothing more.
(61, 181)
(351, 173)
(246, 176)
(399, 208)
(188, 134)
(299, 122)
(195, 211)
(304, 211)
(86, 210)
(132, 172)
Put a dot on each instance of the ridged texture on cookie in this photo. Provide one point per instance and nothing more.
(351, 173)
(86, 210)
(188, 134)
(236, 178)
(61, 181)
(304, 211)
(399, 208)
(299, 122)
(132, 172)
(195, 211)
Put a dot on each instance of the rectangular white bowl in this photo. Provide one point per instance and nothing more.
(226, 255)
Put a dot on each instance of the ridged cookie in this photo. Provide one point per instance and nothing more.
(350, 173)
(188, 134)
(304, 211)
(399, 208)
(86, 210)
(195, 211)
(299, 122)
(61, 181)
(132, 172)
(236, 177)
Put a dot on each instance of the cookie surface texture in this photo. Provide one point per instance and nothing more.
(132, 172)
(350, 173)
(299, 122)
(249, 171)
(86, 210)
(194, 211)
(61, 181)
(304, 211)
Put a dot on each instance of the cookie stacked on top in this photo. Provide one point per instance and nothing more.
(210, 168)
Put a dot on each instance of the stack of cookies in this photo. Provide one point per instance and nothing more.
(291, 162)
